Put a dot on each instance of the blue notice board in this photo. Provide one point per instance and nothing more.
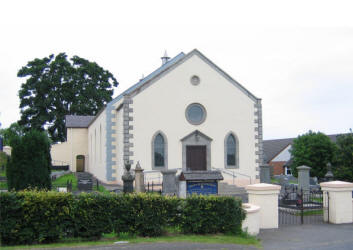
(202, 187)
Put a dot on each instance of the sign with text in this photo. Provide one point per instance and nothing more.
(202, 187)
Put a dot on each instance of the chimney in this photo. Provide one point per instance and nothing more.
(165, 58)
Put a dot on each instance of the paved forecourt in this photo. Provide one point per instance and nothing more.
(320, 236)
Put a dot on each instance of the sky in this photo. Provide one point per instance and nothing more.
(297, 56)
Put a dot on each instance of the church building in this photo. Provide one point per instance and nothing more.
(187, 115)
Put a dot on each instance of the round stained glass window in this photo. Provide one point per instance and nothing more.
(195, 113)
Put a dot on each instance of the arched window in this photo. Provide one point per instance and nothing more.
(231, 151)
(159, 157)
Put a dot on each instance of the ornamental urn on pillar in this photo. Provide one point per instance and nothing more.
(128, 179)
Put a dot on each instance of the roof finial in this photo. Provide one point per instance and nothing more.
(165, 58)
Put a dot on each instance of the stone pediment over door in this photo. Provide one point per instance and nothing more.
(196, 138)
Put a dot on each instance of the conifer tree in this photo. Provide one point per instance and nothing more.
(30, 162)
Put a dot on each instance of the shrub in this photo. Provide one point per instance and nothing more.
(211, 214)
(30, 162)
(141, 214)
(34, 217)
(29, 217)
(92, 215)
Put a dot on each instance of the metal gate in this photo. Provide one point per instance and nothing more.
(297, 207)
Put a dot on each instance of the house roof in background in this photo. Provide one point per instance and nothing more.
(273, 147)
(78, 121)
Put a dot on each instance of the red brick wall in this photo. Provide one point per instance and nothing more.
(278, 168)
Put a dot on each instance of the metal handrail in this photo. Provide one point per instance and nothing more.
(159, 177)
(233, 174)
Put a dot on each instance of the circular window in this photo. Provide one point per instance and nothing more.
(195, 113)
(195, 80)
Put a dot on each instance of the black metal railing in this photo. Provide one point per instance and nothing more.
(67, 186)
(154, 188)
(302, 207)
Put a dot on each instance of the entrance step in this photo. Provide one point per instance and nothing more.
(225, 189)
(84, 181)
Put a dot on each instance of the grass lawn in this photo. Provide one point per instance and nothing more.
(62, 181)
(276, 181)
(100, 189)
(111, 238)
(3, 185)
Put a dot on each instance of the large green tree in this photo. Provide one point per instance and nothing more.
(56, 86)
(344, 167)
(314, 150)
(30, 162)
(8, 134)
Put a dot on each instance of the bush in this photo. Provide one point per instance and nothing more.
(29, 217)
(140, 214)
(211, 214)
(30, 162)
(34, 217)
(92, 215)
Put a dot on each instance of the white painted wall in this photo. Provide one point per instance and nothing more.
(60, 153)
(251, 224)
(340, 201)
(162, 107)
(97, 147)
(77, 140)
(266, 197)
(76, 144)
(284, 155)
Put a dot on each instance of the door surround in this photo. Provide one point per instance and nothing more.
(196, 138)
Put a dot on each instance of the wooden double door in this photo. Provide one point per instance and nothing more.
(196, 158)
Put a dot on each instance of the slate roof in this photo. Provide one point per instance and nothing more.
(165, 66)
(78, 121)
(201, 175)
(274, 147)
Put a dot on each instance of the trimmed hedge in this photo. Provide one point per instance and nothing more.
(34, 217)
(211, 214)
(37, 216)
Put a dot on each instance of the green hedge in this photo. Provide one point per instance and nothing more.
(34, 217)
(211, 214)
(37, 216)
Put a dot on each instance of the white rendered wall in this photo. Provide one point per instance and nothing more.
(77, 139)
(60, 153)
(251, 224)
(162, 107)
(76, 144)
(284, 155)
(97, 147)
